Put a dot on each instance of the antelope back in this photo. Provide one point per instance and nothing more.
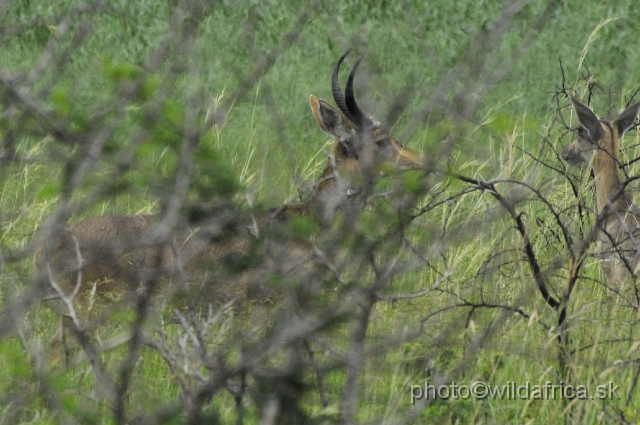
(105, 251)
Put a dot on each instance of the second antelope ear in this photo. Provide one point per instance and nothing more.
(330, 119)
(588, 119)
(626, 119)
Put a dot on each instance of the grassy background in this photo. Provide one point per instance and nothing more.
(270, 145)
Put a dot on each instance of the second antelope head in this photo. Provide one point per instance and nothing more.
(361, 144)
(598, 143)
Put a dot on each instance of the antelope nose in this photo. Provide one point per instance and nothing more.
(413, 160)
(571, 154)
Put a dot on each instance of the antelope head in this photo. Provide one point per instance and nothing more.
(598, 143)
(360, 143)
(597, 137)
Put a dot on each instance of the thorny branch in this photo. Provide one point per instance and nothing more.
(324, 320)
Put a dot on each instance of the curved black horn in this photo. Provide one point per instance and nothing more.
(359, 117)
(335, 88)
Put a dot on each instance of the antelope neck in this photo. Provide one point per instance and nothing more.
(605, 169)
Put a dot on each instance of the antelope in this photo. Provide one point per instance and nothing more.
(598, 143)
(108, 255)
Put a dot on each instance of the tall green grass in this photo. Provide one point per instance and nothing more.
(270, 145)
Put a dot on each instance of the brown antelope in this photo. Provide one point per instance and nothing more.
(598, 143)
(112, 255)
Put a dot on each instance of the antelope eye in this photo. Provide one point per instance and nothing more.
(344, 148)
(382, 142)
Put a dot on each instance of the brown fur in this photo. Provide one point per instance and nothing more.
(598, 143)
(120, 257)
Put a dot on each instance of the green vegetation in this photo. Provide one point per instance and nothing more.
(439, 74)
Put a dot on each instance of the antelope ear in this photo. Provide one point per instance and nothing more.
(626, 119)
(588, 119)
(330, 119)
